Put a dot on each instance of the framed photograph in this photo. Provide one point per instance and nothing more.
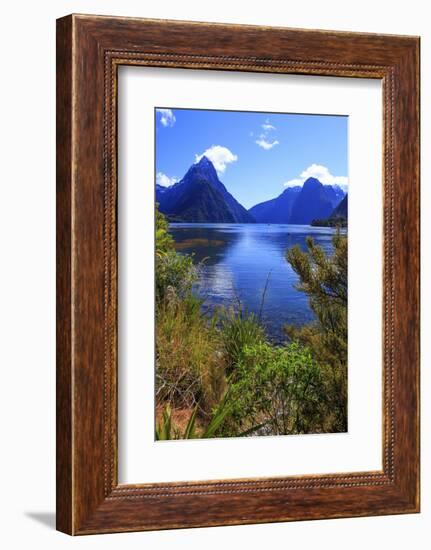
(237, 274)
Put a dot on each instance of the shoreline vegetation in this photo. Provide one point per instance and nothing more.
(219, 375)
(330, 222)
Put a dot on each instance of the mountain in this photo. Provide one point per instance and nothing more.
(341, 210)
(334, 194)
(299, 205)
(160, 190)
(339, 193)
(201, 197)
(276, 210)
(338, 216)
(313, 202)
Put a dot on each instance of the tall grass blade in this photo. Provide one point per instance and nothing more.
(262, 301)
(189, 432)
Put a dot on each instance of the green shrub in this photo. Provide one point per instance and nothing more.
(280, 388)
(164, 240)
(174, 273)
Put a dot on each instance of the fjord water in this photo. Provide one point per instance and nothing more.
(239, 258)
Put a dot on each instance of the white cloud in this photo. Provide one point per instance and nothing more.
(167, 117)
(164, 180)
(220, 156)
(267, 126)
(321, 173)
(262, 142)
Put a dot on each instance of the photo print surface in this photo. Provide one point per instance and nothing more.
(251, 273)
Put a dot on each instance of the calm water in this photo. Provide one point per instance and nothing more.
(238, 260)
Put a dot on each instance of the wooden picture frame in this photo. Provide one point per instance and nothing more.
(89, 51)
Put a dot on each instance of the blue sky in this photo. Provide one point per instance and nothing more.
(256, 154)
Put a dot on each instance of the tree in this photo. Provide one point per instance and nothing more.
(324, 279)
(164, 240)
(175, 273)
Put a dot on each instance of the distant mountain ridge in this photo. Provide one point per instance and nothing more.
(278, 210)
(313, 202)
(341, 211)
(300, 205)
(201, 197)
(338, 217)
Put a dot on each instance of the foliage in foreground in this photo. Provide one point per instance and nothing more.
(239, 330)
(166, 429)
(324, 279)
(190, 366)
(281, 388)
(174, 272)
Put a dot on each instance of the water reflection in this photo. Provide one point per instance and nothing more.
(239, 258)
